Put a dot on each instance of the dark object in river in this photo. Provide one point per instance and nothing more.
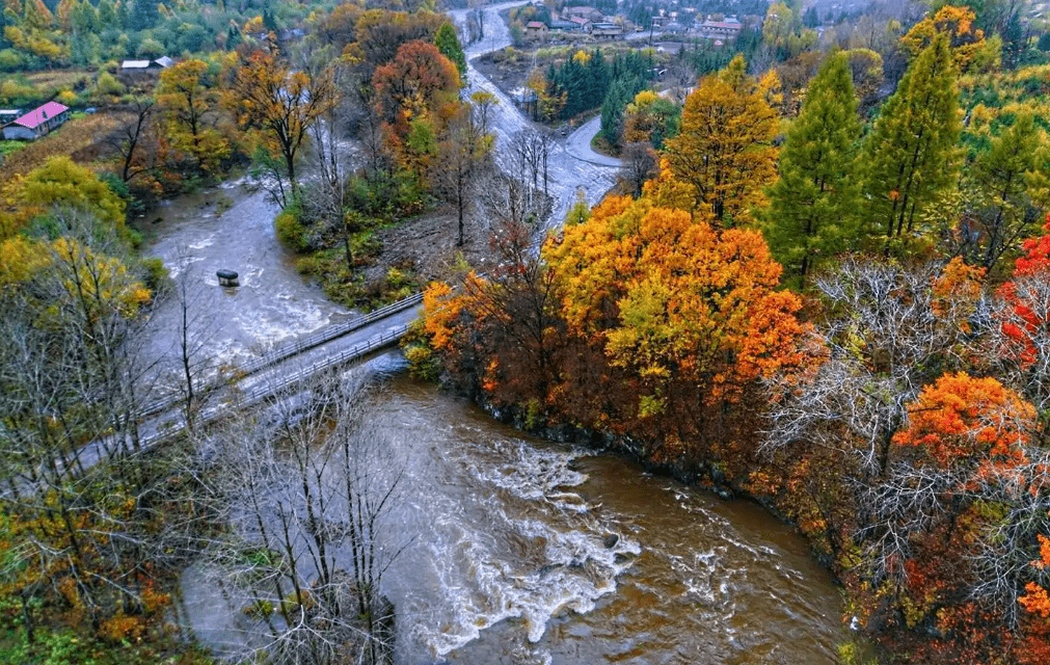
(611, 540)
(227, 278)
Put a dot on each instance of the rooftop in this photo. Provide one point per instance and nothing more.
(39, 115)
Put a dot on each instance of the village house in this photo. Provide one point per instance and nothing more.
(727, 29)
(133, 66)
(610, 30)
(535, 30)
(582, 24)
(38, 122)
(563, 26)
(589, 13)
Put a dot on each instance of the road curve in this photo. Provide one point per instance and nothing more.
(578, 144)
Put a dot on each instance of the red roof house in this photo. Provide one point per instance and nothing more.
(37, 122)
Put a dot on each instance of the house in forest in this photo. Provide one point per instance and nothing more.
(133, 66)
(38, 122)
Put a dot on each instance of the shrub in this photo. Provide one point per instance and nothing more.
(290, 230)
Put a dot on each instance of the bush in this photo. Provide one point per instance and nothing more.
(290, 230)
(156, 275)
(11, 60)
(107, 84)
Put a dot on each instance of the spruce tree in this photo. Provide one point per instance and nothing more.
(807, 220)
(911, 156)
(447, 42)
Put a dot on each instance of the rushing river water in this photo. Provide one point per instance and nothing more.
(509, 563)
(509, 559)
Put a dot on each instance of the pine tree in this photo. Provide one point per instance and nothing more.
(999, 178)
(911, 155)
(448, 43)
(144, 15)
(807, 221)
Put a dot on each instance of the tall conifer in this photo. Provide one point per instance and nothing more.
(911, 156)
(807, 221)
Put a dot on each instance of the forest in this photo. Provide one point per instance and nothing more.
(822, 282)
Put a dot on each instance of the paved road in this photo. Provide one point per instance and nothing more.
(579, 144)
(570, 172)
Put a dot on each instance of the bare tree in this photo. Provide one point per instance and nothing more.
(130, 136)
(639, 166)
(307, 485)
(464, 150)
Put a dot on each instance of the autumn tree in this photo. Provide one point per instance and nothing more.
(415, 94)
(651, 119)
(686, 314)
(725, 150)
(284, 104)
(464, 148)
(1022, 313)
(957, 24)
(910, 156)
(61, 183)
(416, 81)
(188, 102)
(813, 204)
(952, 528)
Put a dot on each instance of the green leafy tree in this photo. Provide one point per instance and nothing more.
(1000, 181)
(911, 155)
(448, 43)
(807, 220)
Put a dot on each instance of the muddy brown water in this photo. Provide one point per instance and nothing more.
(509, 562)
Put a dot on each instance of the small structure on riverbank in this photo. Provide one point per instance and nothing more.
(227, 278)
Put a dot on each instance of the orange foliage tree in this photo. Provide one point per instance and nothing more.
(957, 22)
(640, 321)
(415, 94)
(950, 534)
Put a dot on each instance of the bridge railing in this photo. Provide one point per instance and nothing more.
(294, 348)
(259, 393)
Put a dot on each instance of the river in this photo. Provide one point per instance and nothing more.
(508, 561)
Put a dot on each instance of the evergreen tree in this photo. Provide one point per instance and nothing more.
(612, 111)
(999, 179)
(911, 155)
(811, 19)
(448, 43)
(807, 220)
(144, 15)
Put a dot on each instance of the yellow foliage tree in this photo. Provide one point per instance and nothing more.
(725, 149)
